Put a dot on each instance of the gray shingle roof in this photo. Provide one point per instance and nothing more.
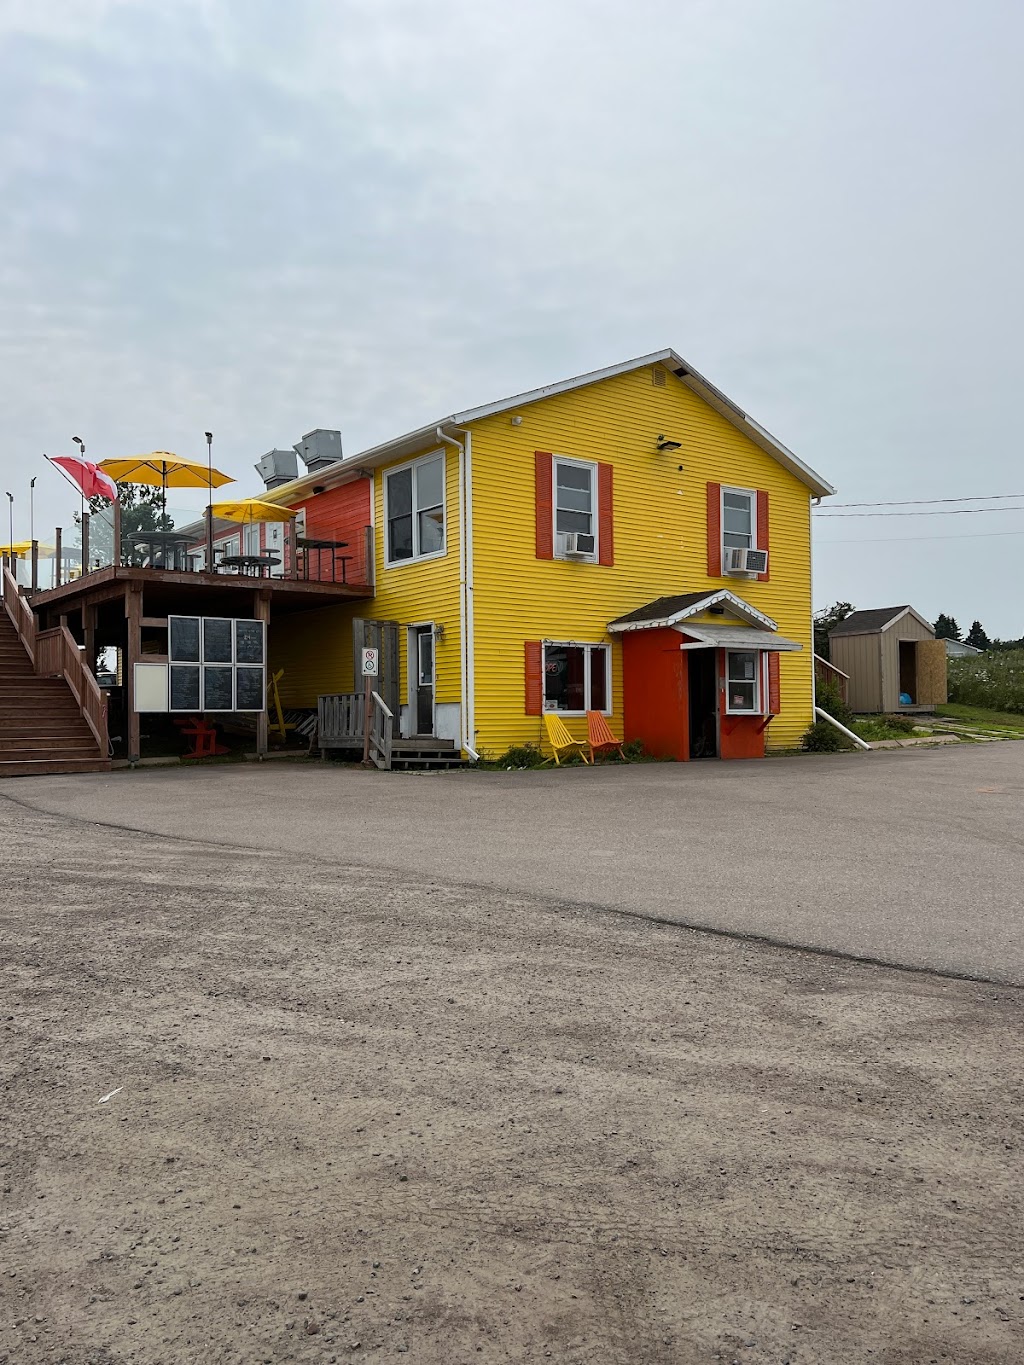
(662, 607)
(866, 622)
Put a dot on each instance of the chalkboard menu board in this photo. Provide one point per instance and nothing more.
(183, 639)
(249, 642)
(217, 641)
(218, 687)
(184, 687)
(249, 689)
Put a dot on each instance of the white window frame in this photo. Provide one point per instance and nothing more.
(416, 558)
(559, 551)
(586, 646)
(759, 689)
(750, 493)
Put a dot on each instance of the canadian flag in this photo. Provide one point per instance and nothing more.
(85, 475)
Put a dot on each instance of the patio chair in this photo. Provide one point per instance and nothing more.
(561, 741)
(600, 738)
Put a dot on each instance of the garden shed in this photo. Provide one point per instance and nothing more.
(893, 660)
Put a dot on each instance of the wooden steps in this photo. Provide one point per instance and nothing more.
(42, 730)
(425, 754)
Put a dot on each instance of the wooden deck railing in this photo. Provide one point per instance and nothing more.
(340, 725)
(382, 731)
(827, 673)
(21, 614)
(58, 654)
(55, 653)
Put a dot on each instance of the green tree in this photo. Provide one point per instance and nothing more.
(946, 627)
(976, 636)
(141, 510)
(827, 620)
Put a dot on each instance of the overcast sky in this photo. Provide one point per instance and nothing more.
(260, 218)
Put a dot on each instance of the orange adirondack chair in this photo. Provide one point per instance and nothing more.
(600, 738)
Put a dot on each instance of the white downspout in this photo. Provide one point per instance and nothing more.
(824, 715)
(466, 719)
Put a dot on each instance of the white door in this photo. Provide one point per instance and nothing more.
(275, 546)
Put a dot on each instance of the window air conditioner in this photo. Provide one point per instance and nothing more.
(746, 563)
(578, 545)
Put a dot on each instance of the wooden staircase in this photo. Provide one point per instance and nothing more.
(42, 729)
(424, 755)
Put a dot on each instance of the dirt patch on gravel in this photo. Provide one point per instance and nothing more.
(370, 1117)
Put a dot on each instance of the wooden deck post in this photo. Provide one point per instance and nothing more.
(261, 611)
(89, 636)
(293, 558)
(117, 533)
(35, 566)
(58, 561)
(85, 543)
(133, 613)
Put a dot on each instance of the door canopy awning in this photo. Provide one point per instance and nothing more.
(735, 637)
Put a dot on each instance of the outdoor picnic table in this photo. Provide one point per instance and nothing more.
(166, 549)
(316, 543)
(250, 564)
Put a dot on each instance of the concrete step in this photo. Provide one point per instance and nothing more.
(44, 767)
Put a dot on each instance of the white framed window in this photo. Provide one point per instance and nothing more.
(577, 678)
(739, 519)
(742, 682)
(575, 506)
(414, 510)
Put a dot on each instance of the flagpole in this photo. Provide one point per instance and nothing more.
(209, 505)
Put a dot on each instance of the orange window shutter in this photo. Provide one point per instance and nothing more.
(762, 530)
(545, 507)
(605, 514)
(714, 530)
(774, 699)
(534, 678)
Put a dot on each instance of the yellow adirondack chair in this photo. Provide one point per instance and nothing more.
(600, 738)
(560, 739)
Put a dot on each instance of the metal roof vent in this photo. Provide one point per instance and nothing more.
(319, 448)
(278, 467)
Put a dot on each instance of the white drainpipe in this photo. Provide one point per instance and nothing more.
(466, 710)
(848, 733)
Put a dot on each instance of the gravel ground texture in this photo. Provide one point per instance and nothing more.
(266, 1108)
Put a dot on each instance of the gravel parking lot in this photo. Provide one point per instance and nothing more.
(369, 1113)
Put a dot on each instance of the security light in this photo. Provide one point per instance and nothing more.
(665, 444)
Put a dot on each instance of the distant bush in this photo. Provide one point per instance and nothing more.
(823, 738)
(520, 756)
(829, 698)
(902, 725)
(995, 681)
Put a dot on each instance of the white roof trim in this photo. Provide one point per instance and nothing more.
(672, 361)
(737, 604)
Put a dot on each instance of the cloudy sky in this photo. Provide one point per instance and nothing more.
(259, 218)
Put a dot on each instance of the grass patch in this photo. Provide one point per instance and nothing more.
(980, 715)
(994, 681)
(884, 727)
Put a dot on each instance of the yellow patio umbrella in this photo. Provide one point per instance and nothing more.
(248, 510)
(24, 547)
(163, 469)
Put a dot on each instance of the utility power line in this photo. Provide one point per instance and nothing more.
(903, 540)
(946, 512)
(920, 502)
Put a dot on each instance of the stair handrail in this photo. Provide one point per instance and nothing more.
(71, 665)
(22, 616)
(382, 729)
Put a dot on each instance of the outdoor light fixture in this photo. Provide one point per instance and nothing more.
(665, 444)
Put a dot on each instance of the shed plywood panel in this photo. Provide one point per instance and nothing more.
(860, 657)
(931, 672)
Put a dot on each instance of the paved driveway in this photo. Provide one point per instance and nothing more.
(913, 857)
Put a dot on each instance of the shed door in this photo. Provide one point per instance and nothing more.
(931, 672)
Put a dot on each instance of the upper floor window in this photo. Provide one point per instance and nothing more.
(414, 509)
(738, 519)
(575, 508)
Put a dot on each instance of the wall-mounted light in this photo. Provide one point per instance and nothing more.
(665, 444)
(517, 421)
(439, 633)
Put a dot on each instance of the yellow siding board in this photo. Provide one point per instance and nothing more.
(660, 540)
